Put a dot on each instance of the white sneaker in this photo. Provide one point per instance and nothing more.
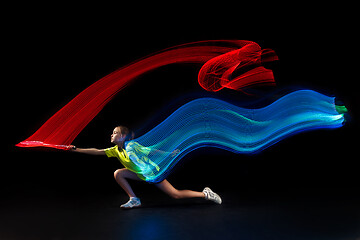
(210, 195)
(132, 203)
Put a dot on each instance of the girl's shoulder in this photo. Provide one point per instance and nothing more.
(136, 147)
(132, 145)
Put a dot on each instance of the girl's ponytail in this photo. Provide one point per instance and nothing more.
(126, 131)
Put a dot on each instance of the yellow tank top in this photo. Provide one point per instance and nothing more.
(134, 157)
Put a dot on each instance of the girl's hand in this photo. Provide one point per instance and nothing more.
(71, 148)
(175, 152)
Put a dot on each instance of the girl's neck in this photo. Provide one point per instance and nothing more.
(120, 145)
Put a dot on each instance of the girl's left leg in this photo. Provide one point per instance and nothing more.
(166, 187)
(120, 176)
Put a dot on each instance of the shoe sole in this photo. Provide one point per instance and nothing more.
(130, 207)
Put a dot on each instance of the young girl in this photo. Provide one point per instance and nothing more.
(118, 137)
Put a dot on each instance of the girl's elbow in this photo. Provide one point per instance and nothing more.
(100, 152)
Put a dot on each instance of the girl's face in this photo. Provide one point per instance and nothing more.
(116, 136)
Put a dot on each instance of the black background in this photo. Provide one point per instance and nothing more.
(55, 53)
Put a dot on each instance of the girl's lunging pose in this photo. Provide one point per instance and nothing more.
(128, 157)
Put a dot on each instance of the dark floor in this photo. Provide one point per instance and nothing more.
(252, 216)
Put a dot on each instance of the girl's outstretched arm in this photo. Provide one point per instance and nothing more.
(91, 151)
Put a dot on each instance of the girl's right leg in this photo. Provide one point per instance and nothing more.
(207, 193)
(166, 187)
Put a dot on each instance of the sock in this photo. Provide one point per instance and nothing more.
(206, 195)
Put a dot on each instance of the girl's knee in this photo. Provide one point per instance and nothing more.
(175, 194)
(167, 188)
(118, 173)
